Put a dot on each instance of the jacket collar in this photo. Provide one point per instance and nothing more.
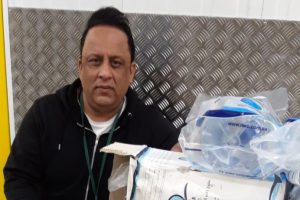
(69, 96)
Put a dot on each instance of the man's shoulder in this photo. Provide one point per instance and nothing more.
(135, 104)
(46, 100)
(60, 99)
(139, 106)
(149, 125)
(47, 105)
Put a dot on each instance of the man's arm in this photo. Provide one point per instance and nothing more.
(22, 171)
(165, 134)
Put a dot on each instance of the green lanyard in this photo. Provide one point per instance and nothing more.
(86, 153)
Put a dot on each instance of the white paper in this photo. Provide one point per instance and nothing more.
(166, 175)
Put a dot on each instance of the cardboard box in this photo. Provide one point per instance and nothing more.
(157, 174)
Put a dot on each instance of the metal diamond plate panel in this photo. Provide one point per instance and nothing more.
(178, 57)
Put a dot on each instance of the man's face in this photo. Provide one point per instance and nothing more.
(105, 68)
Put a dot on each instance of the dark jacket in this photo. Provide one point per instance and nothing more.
(47, 157)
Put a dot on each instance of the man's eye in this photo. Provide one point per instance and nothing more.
(116, 63)
(94, 61)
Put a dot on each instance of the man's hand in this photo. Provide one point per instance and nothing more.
(176, 148)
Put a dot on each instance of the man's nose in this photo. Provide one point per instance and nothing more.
(104, 71)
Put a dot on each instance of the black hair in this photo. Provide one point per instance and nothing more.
(112, 17)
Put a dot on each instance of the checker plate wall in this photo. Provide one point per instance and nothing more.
(178, 57)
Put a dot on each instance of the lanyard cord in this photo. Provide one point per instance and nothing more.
(86, 153)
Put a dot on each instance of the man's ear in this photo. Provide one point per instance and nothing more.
(133, 68)
(79, 67)
(79, 63)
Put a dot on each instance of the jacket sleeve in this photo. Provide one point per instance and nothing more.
(165, 135)
(23, 169)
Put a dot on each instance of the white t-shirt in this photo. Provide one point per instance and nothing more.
(100, 128)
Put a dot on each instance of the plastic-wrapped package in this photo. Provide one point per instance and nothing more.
(219, 129)
(295, 193)
(118, 178)
(279, 150)
(218, 150)
(278, 100)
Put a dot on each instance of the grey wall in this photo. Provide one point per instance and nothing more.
(178, 57)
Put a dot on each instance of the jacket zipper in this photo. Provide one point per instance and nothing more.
(93, 156)
(92, 165)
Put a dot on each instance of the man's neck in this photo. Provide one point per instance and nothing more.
(103, 114)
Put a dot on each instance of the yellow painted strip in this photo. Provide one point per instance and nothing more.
(4, 123)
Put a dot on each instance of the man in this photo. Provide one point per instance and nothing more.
(55, 154)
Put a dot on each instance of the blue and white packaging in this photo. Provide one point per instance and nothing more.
(159, 174)
(217, 135)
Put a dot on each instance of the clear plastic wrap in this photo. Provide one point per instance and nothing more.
(219, 130)
(119, 177)
(279, 150)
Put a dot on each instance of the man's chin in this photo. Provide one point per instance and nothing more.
(104, 101)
